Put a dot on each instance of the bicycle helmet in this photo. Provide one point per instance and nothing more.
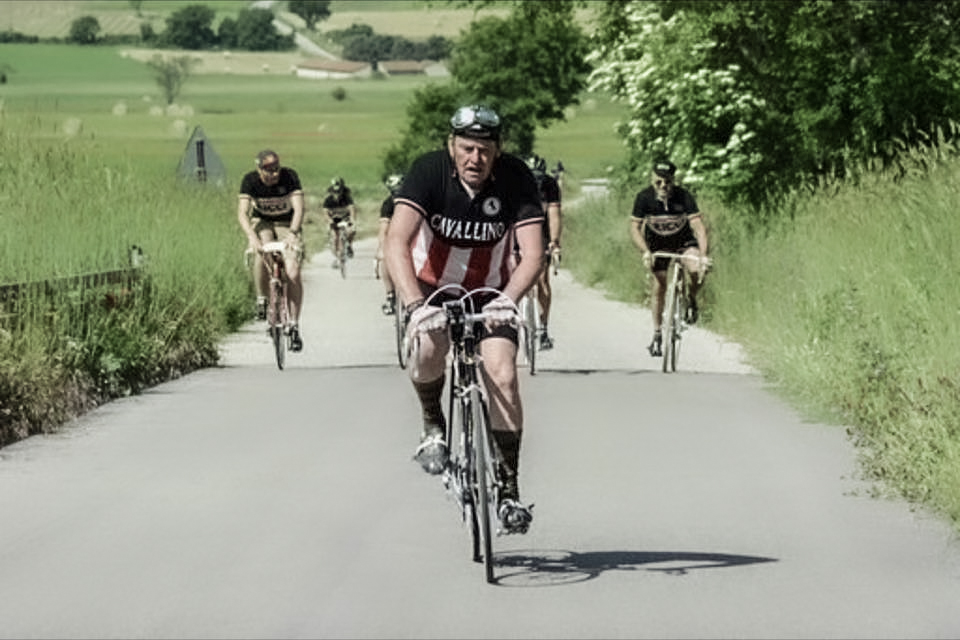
(337, 185)
(476, 121)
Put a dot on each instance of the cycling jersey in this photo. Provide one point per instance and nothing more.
(337, 203)
(667, 225)
(272, 202)
(549, 190)
(386, 208)
(464, 240)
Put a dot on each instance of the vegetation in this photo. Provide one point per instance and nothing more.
(757, 98)
(170, 74)
(311, 11)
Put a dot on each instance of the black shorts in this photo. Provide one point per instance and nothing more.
(502, 331)
(676, 243)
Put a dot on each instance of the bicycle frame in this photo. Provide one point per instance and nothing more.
(339, 241)
(278, 309)
(530, 327)
(471, 476)
(675, 302)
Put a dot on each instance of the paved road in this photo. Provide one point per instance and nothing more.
(694, 504)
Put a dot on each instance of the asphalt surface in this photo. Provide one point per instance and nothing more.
(247, 502)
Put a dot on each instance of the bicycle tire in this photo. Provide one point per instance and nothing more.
(400, 328)
(277, 318)
(279, 345)
(528, 331)
(484, 479)
(679, 320)
(342, 258)
(669, 316)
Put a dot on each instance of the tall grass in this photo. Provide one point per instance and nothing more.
(848, 304)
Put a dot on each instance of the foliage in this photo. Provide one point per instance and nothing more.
(755, 98)
(84, 30)
(170, 74)
(255, 32)
(311, 11)
(376, 47)
(190, 28)
(530, 67)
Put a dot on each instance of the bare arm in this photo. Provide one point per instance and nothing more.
(243, 209)
(636, 234)
(700, 233)
(556, 224)
(530, 241)
(399, 237)
(296, 200)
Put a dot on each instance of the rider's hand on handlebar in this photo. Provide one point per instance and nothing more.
(427, 319)
(501, 310)
(647, 259)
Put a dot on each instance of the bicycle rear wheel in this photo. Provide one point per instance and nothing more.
(528, 331)
(670, 326)
(342, 258)
(485, 479)
(276, 319)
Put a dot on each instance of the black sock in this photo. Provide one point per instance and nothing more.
(508, 442)
(430, 394)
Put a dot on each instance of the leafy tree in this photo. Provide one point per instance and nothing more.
(190, 27)
(428, 123)
(136, 5)
(147, 33)
(530, 66)
(256, 32)
(757, 97)
(227, 33)
(84, 30)
(171, 73)
(311, 11)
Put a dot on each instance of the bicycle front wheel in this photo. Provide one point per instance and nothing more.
(670, 325)
(277, 319)
(400, 327)
(484, 478)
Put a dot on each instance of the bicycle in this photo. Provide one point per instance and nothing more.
(400, 327)
(675, 302)
(471, 473)
(530, 329)
(340, 243)
(278, 309)
(555, 260)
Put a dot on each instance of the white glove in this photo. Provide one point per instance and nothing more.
(501, 310)
(647, 259)
(426, 319)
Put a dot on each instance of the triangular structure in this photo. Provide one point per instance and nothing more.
(200, 162)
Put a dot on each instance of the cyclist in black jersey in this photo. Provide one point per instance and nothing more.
(392, 183)
(338, 205)
(270, 208)
(666, 218)
(550, 196)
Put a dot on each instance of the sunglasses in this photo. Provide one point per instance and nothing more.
(663, 182)
(273, 168)
(474, 116)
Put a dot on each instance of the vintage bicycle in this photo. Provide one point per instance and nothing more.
(530, 328)
(340, 243)
(278, 304)
(471, 476)
(675, 303)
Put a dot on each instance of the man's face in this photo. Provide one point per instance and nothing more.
(473, 159)
(663, 185)
(270, 170)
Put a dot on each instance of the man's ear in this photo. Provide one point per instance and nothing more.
(450, 144)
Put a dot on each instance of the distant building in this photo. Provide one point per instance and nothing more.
(320, 69)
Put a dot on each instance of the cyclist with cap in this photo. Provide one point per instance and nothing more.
(666, 218)
(339, 206)
(386, 212)
(550, 197)
(271, 208)
(456, 216)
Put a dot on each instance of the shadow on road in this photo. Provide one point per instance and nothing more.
(555, 567)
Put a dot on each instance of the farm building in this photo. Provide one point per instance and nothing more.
(332, 69)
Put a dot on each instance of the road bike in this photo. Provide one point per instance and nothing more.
(676, 300)
(340, 244)
(278, 305)
(400, 327)
(530, 329)
(471, 475)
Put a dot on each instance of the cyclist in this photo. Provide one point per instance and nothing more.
(666, 218)
(456, 217)
(386, 212)
(339, 206)
(550, 197)
(271, 208)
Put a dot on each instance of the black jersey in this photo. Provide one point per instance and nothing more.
(272, 202)
(386, 208)
(665, 219)
(464, 240)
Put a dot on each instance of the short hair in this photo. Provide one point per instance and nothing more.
(263, 155)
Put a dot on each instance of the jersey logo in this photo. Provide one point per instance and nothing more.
(492, 206)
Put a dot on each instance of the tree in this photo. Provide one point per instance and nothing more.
(84, 30)
(190, 28)
(428, 123)
(311, 11)
(136, 5)
(171, 73)
(255, 32)
(530, 66)
(755, 98)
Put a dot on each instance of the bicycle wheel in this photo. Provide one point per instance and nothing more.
(484, 478)
(276, 319)
(400, 327)
(669, 317)
(679, 320)
(342, 258)
(528, 331)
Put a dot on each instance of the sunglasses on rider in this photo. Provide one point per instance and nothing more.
(271, 168)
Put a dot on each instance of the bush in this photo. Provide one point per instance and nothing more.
(339, 94)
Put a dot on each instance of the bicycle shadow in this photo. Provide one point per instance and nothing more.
(558, 567)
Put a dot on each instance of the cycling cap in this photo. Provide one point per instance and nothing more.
(664, 169)
(476, 121)
(337, 184)
(393, 181)
(263, 155)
